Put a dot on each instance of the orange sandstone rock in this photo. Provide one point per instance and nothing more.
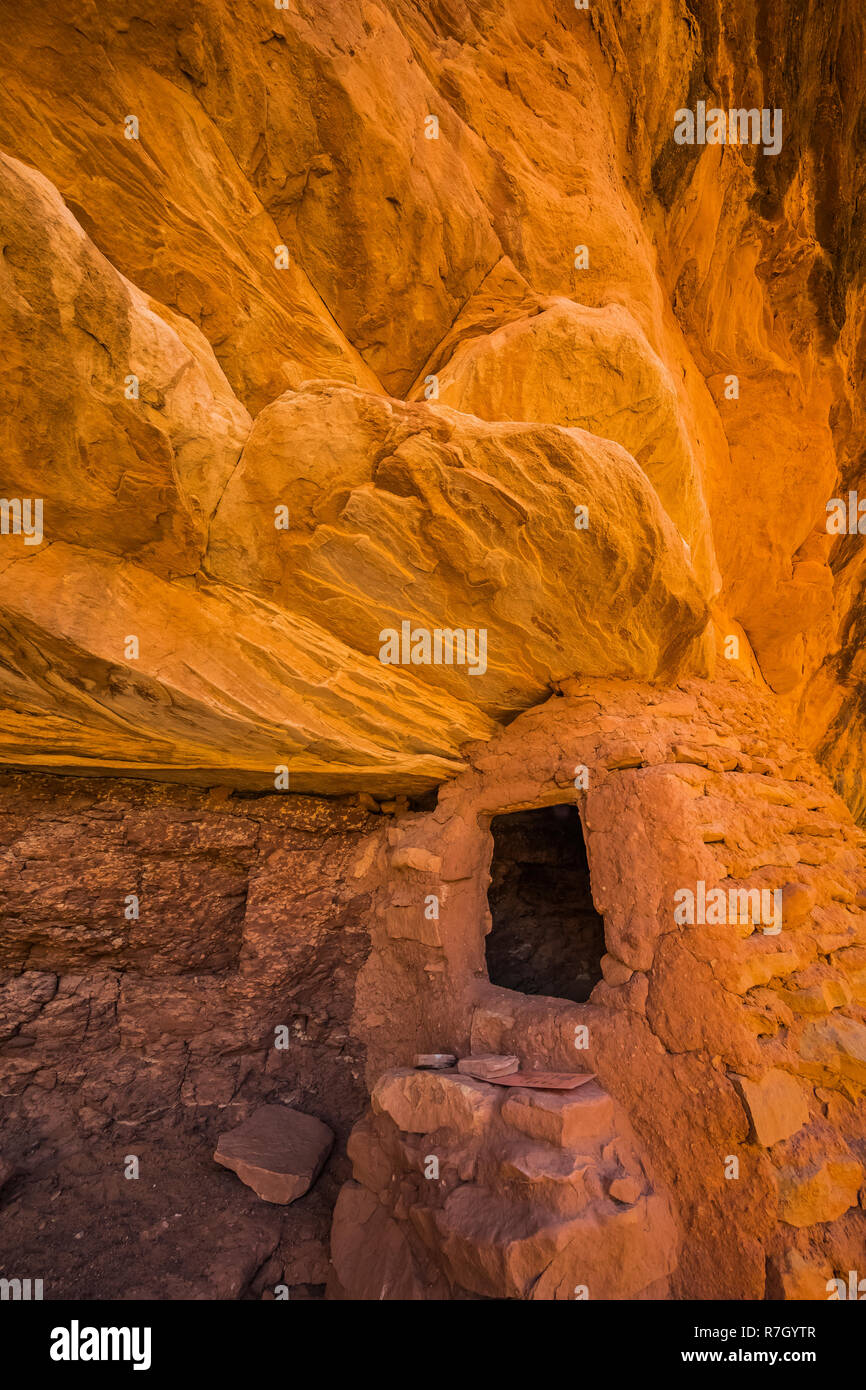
(278, 1152)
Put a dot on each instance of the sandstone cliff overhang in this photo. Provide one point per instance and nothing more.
(167, 624)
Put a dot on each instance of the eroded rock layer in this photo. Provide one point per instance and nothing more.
(481, 207)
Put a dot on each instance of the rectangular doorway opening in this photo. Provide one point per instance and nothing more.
(546, 937)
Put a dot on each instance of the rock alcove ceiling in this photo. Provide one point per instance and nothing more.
(406, 434)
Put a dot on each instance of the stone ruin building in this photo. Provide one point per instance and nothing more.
(334, 321)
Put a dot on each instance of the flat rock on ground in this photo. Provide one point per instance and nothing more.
(278, 1152)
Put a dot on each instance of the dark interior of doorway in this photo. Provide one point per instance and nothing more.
(547, 937)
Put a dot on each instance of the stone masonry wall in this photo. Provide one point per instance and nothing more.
(719, 1042)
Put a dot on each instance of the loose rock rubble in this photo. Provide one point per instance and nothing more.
(535, 1195)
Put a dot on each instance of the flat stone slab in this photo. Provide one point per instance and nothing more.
(776, 1104)
(544, 1080)
(435, 1061)
(278, 1152)
(488, 1066)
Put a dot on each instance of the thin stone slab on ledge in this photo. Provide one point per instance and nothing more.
(544, 1080)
